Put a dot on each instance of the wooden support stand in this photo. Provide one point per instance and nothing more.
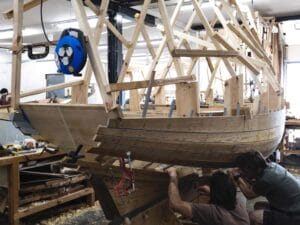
(16, 213)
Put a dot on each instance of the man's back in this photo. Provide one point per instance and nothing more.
(280, 188)
(210, 214)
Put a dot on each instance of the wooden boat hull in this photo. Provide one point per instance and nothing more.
(66, 126)
(204, 141)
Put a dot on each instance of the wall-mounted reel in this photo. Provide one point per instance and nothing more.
(70, 52)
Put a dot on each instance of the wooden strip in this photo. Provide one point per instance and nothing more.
(117, 33)
(93, 54)
(9, 14)
(204, 53)
(134, 39)
(144, 84)
(55, 202)
(17, 54)
(52, 88)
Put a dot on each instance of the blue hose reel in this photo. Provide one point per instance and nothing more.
(70, 52)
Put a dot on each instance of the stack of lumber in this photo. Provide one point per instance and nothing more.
(48, 181)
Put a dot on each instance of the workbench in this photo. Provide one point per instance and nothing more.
(12, 164)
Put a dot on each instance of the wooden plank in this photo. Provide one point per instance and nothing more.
(204, 53)
(144, 84)
(69, 125)
(17, 53)
(187, 99)
(9, 14)
(55, 202)
(93, 54)
(51, 88)
(134, 39)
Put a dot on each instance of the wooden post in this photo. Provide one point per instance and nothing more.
(93, 54)
(233, 94)
(79, 94)
(17, 53)
(13, 192)
(187, 99)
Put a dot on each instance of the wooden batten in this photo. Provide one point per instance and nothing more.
(144, 84)
(187, 99)
(203, 53)
(233, 94)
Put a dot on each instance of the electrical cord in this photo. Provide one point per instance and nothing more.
(43, 25)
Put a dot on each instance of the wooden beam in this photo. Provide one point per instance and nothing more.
(169, 34)
(245, 39)
(51, 88)
(148, 42)
(144, 84)
(97, 37)
(241, 58)
(210, 33)
(93, 54)
(162, 45)
(134, 39)
(114, 30)
(204, 53)
(212, 78)
(17, 53)
(92, 6)
(9, 14)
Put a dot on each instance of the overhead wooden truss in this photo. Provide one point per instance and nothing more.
(238, 44)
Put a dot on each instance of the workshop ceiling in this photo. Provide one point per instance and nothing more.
(60, 11)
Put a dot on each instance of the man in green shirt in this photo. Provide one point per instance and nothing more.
(256, 177)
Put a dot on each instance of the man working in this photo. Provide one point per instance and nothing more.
(223, 208)
(257, 177)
